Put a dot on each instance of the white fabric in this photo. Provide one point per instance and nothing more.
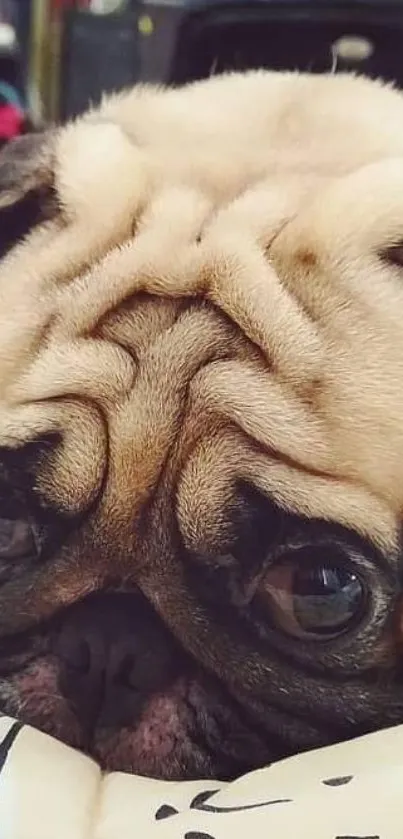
(350, 791)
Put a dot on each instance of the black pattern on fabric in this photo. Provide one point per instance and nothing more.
(8, 742)
(201, 798)
(197, 835)
(199, 803)
(165, 811)
(338, 782)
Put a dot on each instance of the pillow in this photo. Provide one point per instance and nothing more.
(349, 791)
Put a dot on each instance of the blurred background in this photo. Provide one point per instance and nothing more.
(57, 56)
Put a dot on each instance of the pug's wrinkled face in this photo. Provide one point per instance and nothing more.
(201, 454)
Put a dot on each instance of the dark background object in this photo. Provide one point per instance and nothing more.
(193, 39)
(22, 17)
(99, 54)
(174, 41)
(10, 52)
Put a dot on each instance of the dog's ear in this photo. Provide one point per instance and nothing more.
(26, 186)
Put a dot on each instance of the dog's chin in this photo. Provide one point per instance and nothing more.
(191, 730)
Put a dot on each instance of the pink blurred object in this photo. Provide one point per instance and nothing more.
(11, 121)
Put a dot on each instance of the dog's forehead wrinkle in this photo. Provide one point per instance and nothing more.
(223, 456)
(92, 368)
(217, 378)
(56, 255)
(161, 259)
(248, 256)
(91, 159)
(158, 403)
(132, 266)
(138, 322)
(245, 405)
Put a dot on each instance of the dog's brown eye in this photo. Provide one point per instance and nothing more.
(313, 599)
(17, 539)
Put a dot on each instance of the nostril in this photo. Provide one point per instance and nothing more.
(78, 657)
(126, 675)
(74, 651)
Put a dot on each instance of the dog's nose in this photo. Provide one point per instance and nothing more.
(114, 653)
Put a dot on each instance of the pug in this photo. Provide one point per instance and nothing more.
(201, 433)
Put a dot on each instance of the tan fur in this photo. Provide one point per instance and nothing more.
(262, 204)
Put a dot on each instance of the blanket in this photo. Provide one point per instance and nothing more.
(349, 791)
